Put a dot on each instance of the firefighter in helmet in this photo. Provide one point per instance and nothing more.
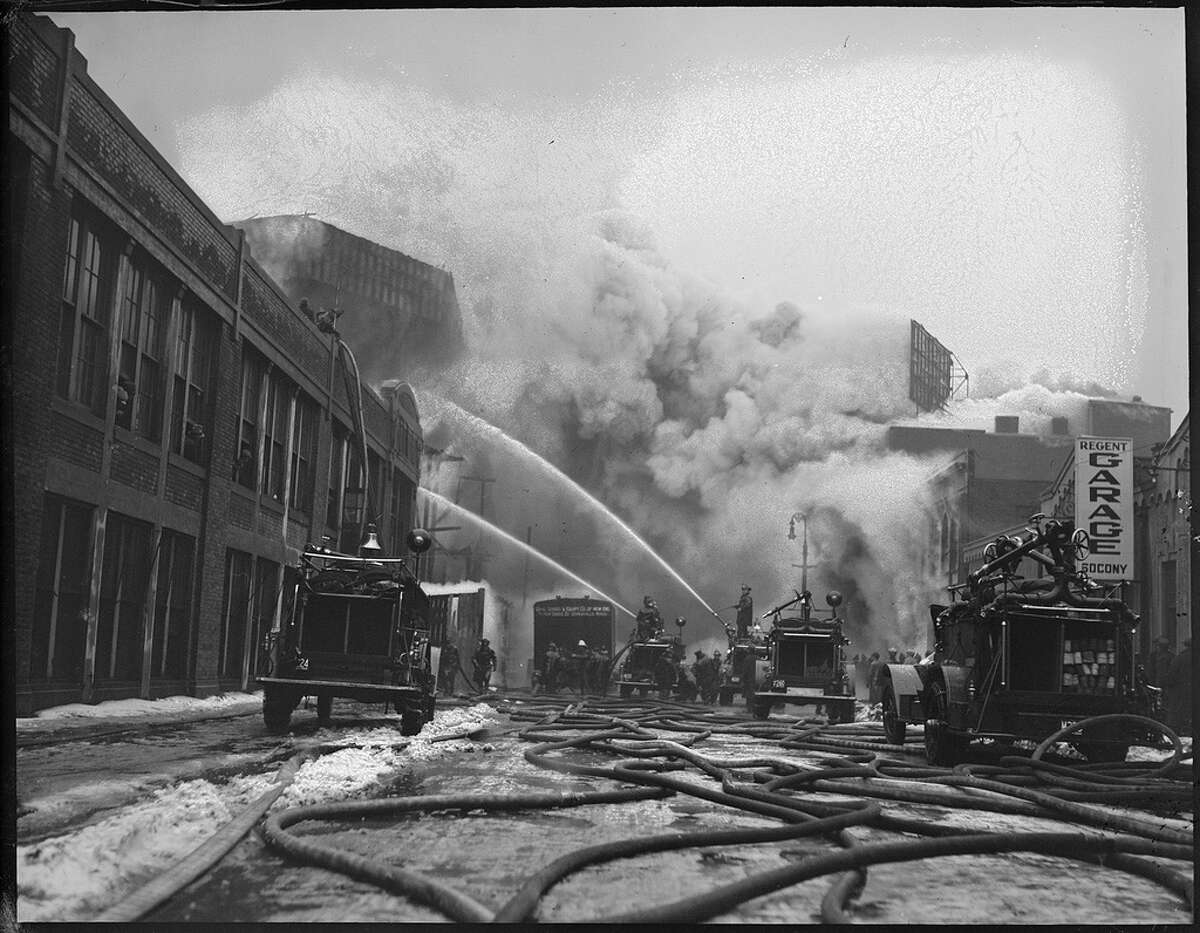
(484, 662)
(580, 658)
(649, 620)
(745, 612)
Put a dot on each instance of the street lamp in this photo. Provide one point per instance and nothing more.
(804, 546)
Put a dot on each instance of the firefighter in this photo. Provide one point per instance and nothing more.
(874, 683)
(485, 663)
(745, 612)
(551, 667)
(579, 666)
(711, 684)
(598, 666)
(701, 672)
(448, 667)
(1179, 691)
(1160, 661)
(649, 620)
(685, 686)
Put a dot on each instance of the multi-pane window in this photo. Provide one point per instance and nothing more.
(275, 428)
(304, 453)
(124, 584)
(237, 614)
(173, 606)
(144, 310)
(83, 324)
(195, 355)
(245, 463)
(410, 442)
(402, 504)
(63, 580)
(375, 489)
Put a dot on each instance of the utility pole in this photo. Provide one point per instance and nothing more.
(525, 576)
(477, 556)
(425, 562)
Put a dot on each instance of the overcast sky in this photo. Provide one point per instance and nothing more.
(770, 149)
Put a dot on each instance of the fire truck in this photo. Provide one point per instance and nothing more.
(1021, 659)
(649, 663)
(359, 628)
(359, 625)
(805, 661)
(737, 674)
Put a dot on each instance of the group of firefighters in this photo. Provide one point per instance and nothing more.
(483, 665)
(583, 669)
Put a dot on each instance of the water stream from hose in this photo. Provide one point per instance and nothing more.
(550, 470)
(529, 549)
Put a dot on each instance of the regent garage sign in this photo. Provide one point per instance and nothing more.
(1104, 505)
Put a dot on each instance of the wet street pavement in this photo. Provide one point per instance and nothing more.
(96, 826)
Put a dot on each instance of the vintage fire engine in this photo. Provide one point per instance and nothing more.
(359, 626)
(806, 661)
(649, 664)
(360, 629)
(1022, 658)
(738, 666)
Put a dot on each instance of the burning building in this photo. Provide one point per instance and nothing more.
(400, 314)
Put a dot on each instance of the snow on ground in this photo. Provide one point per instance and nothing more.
(79, 874)
(75, 876)
(127, 709)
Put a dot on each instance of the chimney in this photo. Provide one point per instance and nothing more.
(1007, 424)
(1058, 426)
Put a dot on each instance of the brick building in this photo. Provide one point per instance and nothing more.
(178, 429)
(403, 313)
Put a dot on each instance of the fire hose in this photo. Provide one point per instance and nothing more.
(201, 859)
(860, 767)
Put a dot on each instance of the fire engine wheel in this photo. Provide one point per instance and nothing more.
(324, 708)
(277, 709)
(725, 697)
(761, 709)
(411, 721)
(893, 726)
(626, 691)
(941, 748)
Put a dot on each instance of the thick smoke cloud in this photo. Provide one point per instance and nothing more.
(703, 416)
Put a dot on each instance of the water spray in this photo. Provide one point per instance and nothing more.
(529, 549)
(549, 468)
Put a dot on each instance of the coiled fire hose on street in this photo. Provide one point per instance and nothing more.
(861, 765)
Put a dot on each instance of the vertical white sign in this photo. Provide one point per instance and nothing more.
(1104, 505)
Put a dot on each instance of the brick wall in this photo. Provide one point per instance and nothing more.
(241, 511)
(69, 440)
(38, 252)
(33, 73)
(184, 489)
(214, 537)
(95, 136)
(112, 167)
(135, 468)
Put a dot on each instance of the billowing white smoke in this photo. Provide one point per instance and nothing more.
(706, 420)
(707, 424)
